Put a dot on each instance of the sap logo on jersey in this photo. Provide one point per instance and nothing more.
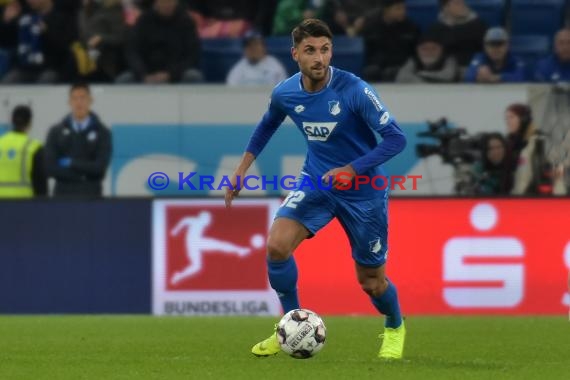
(318, 131)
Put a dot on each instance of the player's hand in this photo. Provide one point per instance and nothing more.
(345, 173)
(233, 192)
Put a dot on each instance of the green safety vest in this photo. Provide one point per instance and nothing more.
(17, 152)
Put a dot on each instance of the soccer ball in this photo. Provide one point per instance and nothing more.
(301, 333)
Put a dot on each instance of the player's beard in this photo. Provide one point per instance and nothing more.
(317, 73)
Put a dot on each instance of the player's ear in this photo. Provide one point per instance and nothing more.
(294, 54)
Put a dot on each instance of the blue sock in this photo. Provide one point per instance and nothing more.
(388, 305)
(283, 278)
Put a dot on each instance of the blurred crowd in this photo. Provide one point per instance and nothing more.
(159, 41)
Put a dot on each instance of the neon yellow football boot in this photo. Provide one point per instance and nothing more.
(393, 343)
(267, 347)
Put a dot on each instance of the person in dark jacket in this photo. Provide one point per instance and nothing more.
(10, 13)
(390, 38)
(102, 32)
(347, 17)
(9, 16)
(460, 29)
(164, 47)
(556, 67)
(44, 40)
(78, 149)
(494, 172)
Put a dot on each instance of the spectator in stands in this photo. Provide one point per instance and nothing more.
(496, 64)
(10, 12)
(533, 174)
(232, 18)
(45, 36)
(9, 15)
(556, 67)
(429, 65)
(22, 168)
(346, 16)
(460, 29)
(290, 13)
(256, 67)
(78, 149)
(132, 10)
(494, 172)
(390, 39)
(102, 30)
(164, 47)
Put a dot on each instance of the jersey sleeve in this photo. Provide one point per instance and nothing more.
(367, 105)
(269, 123)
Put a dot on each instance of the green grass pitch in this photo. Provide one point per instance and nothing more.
(139, 347)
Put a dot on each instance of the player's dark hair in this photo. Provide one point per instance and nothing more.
(21, 118)
(80, 86)
(310, 27)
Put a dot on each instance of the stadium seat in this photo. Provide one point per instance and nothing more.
(423, 12)
(220, 54)
(530, 48)
(490, 11)
(348, 53)
(536, 16)
(218, 57)
(280, 48)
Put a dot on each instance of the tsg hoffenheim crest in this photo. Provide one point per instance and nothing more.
(334, 107)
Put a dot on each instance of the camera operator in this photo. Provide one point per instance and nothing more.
(456, 148)
(533, 174)
(493, 172)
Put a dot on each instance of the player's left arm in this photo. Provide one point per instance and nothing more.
(367, 104)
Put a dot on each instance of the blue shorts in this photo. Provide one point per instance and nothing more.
(364, 221)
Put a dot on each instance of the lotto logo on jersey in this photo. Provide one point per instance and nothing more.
(319, 131)
(201, 248)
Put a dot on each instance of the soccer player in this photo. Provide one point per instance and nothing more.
(338, 113)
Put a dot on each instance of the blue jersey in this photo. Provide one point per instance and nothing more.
(338, 123)
(551, 69)
(513, 70)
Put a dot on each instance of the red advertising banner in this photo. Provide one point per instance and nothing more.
(450, 256)
(446, 256)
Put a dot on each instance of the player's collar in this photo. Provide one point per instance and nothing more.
(331, 72)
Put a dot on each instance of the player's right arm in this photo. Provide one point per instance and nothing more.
(265, 129)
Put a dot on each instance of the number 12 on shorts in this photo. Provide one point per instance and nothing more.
(293, 199)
